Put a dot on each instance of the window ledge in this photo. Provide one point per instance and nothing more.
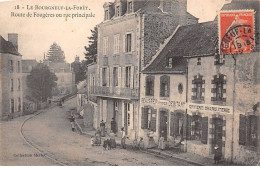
(164, 98)
(198, 101)
(221, 103)
(149, 96)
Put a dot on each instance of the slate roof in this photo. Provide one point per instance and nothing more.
(188, 41)
(26, 64)
(147, 6)
(7, 47)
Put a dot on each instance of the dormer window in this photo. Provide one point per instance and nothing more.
(106, 15)
(117, 10)
(130, 7)
(169, 62)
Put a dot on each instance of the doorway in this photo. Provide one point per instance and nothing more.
(163, 124)
(218, 132)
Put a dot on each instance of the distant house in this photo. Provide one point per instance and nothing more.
(66, 77)
(11, 90)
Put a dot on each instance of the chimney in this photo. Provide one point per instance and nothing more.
(13, 38)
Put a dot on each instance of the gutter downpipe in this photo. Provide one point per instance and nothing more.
(187, 82)
(140, 70)
(233, 115)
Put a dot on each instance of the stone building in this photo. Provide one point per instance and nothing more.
(131, 33)
(11, 91)
(222, 93)
(92, 100)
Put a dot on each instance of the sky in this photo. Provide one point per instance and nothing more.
(37, 34)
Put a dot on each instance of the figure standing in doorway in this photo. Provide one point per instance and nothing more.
(102, 128)
(217, 154)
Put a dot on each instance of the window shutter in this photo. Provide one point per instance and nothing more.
(107, 76)
(119, 76)
(131, 109)
(115, 44)
(100, 77)
(124, 43)
(111, 77)
(153, 120)
(132, 77)
(204, 134)
(152, 87)
(144, 120)
(172, 124)
(242, 129)
(123, 77)
(176, 125)
(188, 130)
(133, 42)
(248, 128)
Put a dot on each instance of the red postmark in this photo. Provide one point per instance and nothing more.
(236, 31)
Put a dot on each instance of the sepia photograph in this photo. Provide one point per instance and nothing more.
(129, 83)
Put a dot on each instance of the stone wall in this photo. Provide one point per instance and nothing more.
(157, 28)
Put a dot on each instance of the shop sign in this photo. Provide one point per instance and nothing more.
(209, 108)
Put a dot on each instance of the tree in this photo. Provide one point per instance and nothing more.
(79, 71)
(91, 50)
(55, 54)
(41, 82)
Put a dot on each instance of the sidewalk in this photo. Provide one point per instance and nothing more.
(187, 157)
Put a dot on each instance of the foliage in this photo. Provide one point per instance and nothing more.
(91, 50)
(79, 71)
(40, 82)
(55, 54)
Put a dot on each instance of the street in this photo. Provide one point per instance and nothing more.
(51, 133)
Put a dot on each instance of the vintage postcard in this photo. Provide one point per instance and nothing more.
(129, 83)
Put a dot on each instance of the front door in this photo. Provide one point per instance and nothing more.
(218, 131)
(163, 124)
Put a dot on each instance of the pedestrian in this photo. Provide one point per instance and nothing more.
(102, 128)
(141, 144)
(112, 140)
(113, 125)
(161, 141)
(123, 140)
(92, 141)
(72, 123)
(98, 138)
(217, 154)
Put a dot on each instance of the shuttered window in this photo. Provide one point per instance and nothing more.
(188, 130)
(204, 134)
(149, 87)
(242, 129)
(164, 86)
(148, 119)
(218, 90)
(196, 127)
(176, 124)
(144, 122)
(198, 88)
(172, 124)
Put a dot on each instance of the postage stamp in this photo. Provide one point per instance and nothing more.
(236, 31)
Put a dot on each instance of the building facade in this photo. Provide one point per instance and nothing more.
(11, 91)
(131, 33)
(221, 106)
